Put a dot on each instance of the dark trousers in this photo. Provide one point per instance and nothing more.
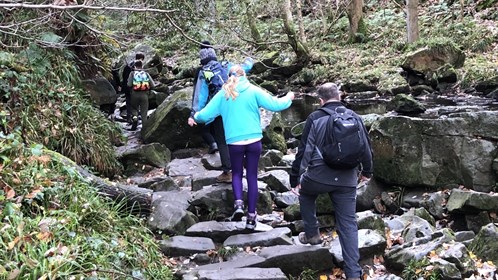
(344, 201)
(127, 92)
(249, 154)
(207, 133)
(219, 136)
(140, 102)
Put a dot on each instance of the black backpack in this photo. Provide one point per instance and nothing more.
(216, 75)
(343, 146)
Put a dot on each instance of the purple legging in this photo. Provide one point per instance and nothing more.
(250, 153)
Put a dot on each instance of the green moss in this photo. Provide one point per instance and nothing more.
(477, 68)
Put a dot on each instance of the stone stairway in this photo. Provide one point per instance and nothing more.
(265, 253)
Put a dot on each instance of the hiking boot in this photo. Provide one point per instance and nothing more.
(213, 148)
(239, 211)
(315, 240)
(225, 177)
(251, 221)
(134, 123)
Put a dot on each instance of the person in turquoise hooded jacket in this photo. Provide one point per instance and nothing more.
(239, 103)
(213, 132)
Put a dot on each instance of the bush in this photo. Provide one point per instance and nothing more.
(55, 226)
(40, 94)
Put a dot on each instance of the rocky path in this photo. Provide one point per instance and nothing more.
(189, 211)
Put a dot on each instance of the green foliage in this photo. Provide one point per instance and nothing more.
(438, 44)
(227, 251)
(420, 269)
(306, 274)
(442, 21)
(55, 226)
(50, 108)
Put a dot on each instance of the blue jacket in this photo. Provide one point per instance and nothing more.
(200, 95)
(241, 117)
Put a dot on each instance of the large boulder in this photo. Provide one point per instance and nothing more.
(453, 150)
(430, 59)
(101, 91)
(405, 105)
(273, 131)
(168, 123)
(484, 244)
(471, 202)
(153, 154)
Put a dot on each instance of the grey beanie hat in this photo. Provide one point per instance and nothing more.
(206, 55)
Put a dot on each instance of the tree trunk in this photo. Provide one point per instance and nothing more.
(300, 22)
(355, 16)
(412, 20)
(251, 22)
(297, 45)
(137, 200)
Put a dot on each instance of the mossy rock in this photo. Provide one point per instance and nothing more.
(273, 134)
(405, 104)
(484, 244)
(434, 56)
(271, 86)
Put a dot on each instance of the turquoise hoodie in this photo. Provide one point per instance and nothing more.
(241, 117)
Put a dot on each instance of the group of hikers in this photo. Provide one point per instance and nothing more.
(333, 156)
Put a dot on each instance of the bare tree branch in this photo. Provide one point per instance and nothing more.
(82, 7)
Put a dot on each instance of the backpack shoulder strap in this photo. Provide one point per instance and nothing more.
(327, 110)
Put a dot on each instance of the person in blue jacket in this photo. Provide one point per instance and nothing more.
(239, 103)
(213, 132)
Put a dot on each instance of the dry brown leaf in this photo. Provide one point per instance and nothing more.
(433, 255)
(10, 192)
(13, 243)
(34, 192)
(337, 271)
(388, 238)
(44, 236)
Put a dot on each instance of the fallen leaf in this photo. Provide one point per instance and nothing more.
(44, 236)
(34, 192)
(13, 243)
(10, 192)
(13, 274)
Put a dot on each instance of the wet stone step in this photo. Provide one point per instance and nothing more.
(248, 273)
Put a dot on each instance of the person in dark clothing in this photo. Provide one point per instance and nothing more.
(213, 132)
(311, 176)
(207, 130)
(140, 89)
(124, 84)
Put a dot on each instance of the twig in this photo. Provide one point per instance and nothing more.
(83, 7)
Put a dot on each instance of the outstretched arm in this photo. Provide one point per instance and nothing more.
(273, 103)
(211, 111)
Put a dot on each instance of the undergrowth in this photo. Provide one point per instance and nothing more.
(380, 56)
(41, 94)
(55, 226)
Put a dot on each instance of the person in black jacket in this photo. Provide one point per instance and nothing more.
(311, 176)
(129, 67)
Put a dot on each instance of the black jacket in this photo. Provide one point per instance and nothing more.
(315, 168)
(126, 73)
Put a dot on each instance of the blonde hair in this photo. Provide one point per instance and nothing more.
(234, 73)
